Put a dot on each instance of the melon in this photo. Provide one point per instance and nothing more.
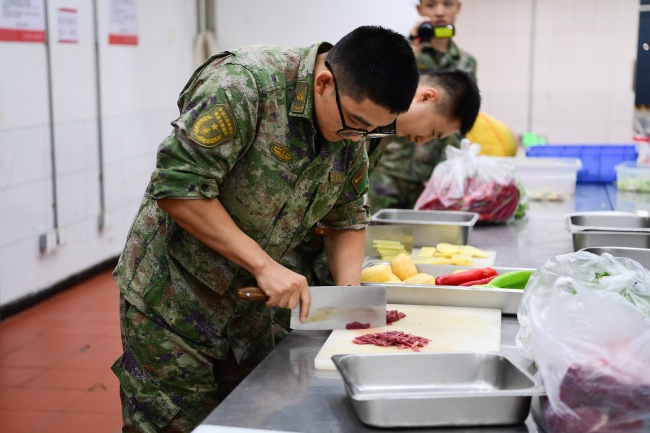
(494, 136)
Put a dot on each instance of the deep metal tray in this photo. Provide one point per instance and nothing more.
(608, 221)
(608, 229)
(506, 300)
(590, 239)
(640, 255)
(431, 226)
(437, 389)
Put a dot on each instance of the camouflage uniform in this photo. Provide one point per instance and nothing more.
(246, 136)
(310, 258)
(397, 182)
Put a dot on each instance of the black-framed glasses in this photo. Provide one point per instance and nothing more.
(346, 131)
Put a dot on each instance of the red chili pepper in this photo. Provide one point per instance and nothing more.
(482, 281)
(465, 276)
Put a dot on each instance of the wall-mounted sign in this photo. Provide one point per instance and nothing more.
(123, 22)
(22, 20)
(68, 26)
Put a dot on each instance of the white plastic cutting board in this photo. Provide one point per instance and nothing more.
(450, 329)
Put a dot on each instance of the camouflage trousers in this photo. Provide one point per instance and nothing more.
(388, 192)
(167, 385)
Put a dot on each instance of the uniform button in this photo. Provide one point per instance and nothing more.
(191, 187)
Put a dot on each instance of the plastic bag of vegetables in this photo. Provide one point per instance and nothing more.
(585, 320)
(467, 181)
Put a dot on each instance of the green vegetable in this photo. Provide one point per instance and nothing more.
(602, 274)
(511, 280)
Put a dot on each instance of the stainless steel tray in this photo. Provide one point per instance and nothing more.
(437, 389)
(590, 239)
(608, 229)
(506, 300)
(431, 226)
(640, 255)
(608, 221)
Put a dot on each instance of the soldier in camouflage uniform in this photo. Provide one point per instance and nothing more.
(445, 102)
(266, 145)
(405, 168)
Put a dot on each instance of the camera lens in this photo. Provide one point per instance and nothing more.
(425, 31)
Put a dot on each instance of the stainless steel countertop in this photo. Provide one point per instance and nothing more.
(286, 393)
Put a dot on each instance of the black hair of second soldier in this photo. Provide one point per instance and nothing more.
(378, 64)
(463, 100)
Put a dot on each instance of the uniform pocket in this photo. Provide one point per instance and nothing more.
(205, 264)
(149, 407)
(326, 196)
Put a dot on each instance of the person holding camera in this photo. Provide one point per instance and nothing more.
(400, 177)
(431, 38)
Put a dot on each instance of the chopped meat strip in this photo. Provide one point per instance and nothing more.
(357, 325)
(393, 338)
(393, 316)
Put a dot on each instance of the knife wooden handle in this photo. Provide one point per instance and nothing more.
(252, 294)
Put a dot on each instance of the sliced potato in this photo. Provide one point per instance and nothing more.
(447, 248)
(426, 252)
(461, 259)
(473, 251)
(434, 261)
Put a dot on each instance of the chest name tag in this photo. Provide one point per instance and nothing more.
(300, 98)
(337, 177)
(213, 128)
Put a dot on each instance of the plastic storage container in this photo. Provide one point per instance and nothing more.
(551, 179)
(598, 161)
(631, 176)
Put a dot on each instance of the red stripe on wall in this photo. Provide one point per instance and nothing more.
(123, 39)
(21, 35)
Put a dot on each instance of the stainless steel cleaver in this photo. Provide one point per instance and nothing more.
(334, 307)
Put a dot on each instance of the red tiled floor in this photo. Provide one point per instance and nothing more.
(55, 363)
(60, 378)
(17, 376)
(23, 421)
(79, 422)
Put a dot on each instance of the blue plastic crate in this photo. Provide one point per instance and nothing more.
(598, 161)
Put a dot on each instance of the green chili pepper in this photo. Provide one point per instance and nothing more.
(511, 280)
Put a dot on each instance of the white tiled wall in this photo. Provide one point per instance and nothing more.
(139, 90)
(583, 53)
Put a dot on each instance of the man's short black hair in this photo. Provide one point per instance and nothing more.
(463, 99)
(372, 62)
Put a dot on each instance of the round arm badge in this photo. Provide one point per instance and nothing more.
(214, 127)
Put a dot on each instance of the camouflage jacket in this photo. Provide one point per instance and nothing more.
(405, 160)
(246, 136)
(431, 59)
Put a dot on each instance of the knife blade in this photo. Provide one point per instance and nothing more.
(334, 307)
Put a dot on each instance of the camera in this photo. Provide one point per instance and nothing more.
(426, 31)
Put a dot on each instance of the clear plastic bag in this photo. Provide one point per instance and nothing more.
(585, 320)
(467, 181)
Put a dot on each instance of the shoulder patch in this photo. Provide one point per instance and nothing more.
(300, 98)
(214, 127)
(360, 179)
